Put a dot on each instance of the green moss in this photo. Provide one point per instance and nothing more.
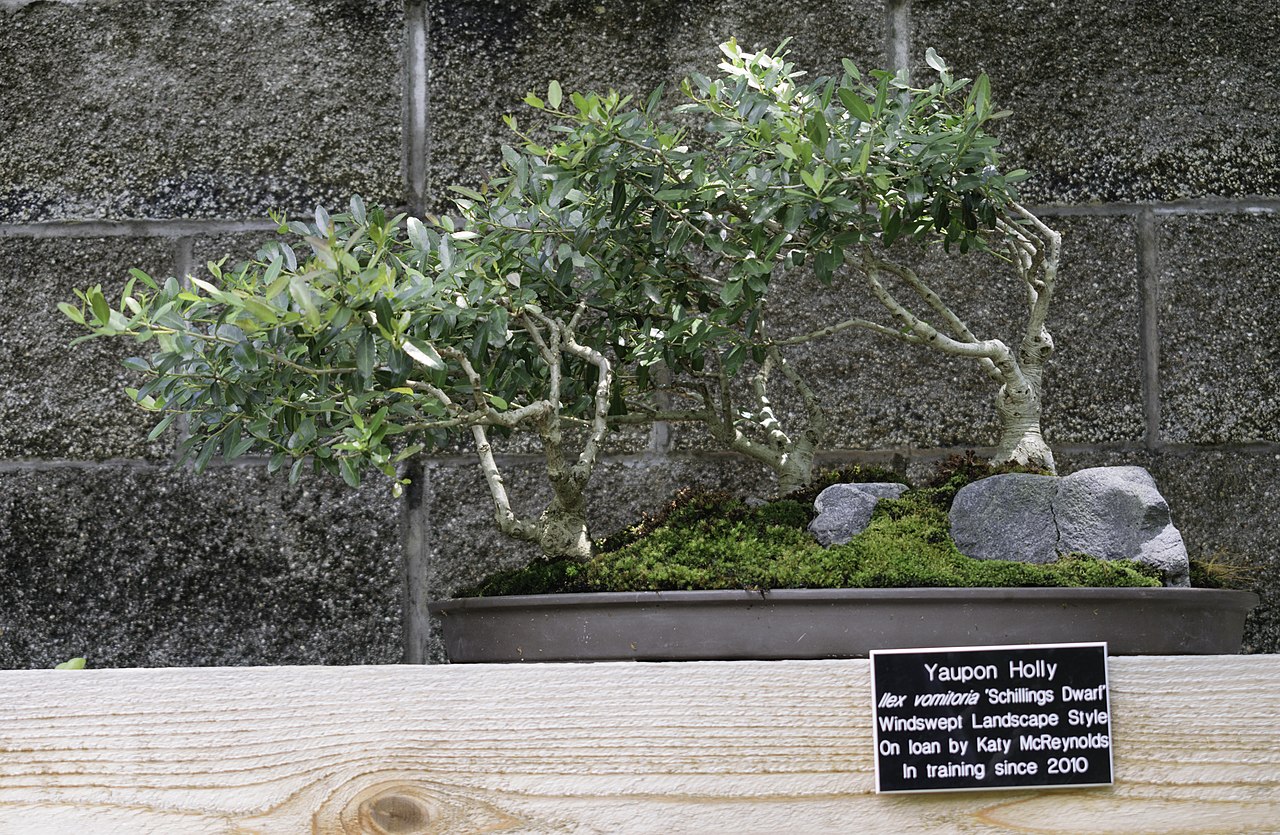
(714, 541)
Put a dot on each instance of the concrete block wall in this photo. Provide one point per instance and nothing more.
(157, 134)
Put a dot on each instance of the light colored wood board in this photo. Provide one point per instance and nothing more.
(662, 748)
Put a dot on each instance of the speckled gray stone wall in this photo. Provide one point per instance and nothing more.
(1123, 99)
(131, 565)
(157, 134)
(1219, 295)
(141, 133)
(59, 401)
(197, 108)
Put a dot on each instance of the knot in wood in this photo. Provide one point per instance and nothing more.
(395, 813)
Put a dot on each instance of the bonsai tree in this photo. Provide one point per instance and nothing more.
(620, 272)
(386, 339)
(847, 177)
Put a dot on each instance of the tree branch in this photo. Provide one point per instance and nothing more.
(766, 419)
(992, 350)
(507, 520)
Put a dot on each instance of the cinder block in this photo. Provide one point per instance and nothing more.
(224, 108)
(485, 56)
(143, 566)
(1219, 299)
(1122, 101)
(63, 401)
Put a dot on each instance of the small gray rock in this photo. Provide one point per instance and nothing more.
(1007, 517)
(844, 510)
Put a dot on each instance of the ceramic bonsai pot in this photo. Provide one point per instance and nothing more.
(835, 623)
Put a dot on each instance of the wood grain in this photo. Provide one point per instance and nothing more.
(664, 748)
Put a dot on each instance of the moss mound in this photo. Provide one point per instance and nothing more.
(715, 541)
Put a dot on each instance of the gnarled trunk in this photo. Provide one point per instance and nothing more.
(1021, 441)
(562, 526)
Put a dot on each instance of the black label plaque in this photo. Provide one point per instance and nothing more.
(991, 717)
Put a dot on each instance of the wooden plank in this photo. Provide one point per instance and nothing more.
(669, 748)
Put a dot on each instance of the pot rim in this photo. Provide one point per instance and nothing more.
(1225, 598)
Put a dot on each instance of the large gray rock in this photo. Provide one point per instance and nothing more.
(1107, 512)
(1118, 513)
(844, 510)
(1007, 517)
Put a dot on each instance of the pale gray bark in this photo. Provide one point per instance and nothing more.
(560, 530)
(1034, 250)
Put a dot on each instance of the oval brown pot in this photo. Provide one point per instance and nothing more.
(835, 623)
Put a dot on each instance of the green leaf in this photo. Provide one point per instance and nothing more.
(423, 353)
(619, 201)
(735, 358)
(864, 157)
(143, 277)
(365, 354)
(554, 94)
(658, 226)
(465, 192)
(915, 192)
(980, 96)
(731, 291)
(303, 296)
(101, 310)
(932, 58)
(350, 470)
(512, 158)
(814, 180)
(855, 104)
(817, 131)
(71, 312)
(560, 189)
(273, 273)
(892, 228)
(76, 663)
(654, 98)
(851, 69)
(242, 446)
(164, 424)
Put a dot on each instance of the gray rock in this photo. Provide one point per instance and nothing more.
(1007, 517)
(1118, 513)
(1106, 512)
(844, 510)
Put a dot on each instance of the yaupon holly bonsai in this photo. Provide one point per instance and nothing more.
(620, 271)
